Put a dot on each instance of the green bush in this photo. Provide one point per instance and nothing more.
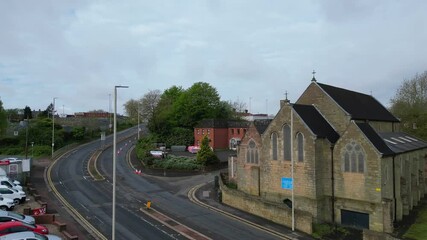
(176, 162)
(205, 155)
(12, 150)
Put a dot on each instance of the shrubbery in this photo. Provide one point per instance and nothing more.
(176, 162)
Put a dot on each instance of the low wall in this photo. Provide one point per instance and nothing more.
(272, 211)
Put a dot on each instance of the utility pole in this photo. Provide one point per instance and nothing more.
(53, 126)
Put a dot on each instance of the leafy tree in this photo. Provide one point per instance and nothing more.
(205, 155)
(47, 113)
(200, 101)
(131, 109)
(14, 115)
(79, 133)
(410, 105)
(28, 114)
(3, 120)
(162, 121)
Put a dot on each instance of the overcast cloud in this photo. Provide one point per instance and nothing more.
(251, 51)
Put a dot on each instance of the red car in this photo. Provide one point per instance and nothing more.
(16, 226)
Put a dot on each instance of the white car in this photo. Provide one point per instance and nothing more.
(6, 216)
(5, 181)
(27, 235)
(16, 195)
(6, 204)
(16, 182)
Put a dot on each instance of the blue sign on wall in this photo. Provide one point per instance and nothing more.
(287, 183)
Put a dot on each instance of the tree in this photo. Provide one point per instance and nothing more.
(131, 109)
(14, 115)
(205, 155)
(3, 120)
(48, 112)
(200, 101)
(162, 121)
(149, 104)
(410, 105)
(28, 114)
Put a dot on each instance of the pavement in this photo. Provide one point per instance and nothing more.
(207, 194)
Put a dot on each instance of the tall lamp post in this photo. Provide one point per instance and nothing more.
(113, 227)
(138, 119)
(53, 125)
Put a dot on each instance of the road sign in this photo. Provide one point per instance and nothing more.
(287, 183)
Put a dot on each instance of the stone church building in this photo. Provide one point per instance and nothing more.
(351, 163)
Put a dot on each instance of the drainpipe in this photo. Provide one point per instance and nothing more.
(259, 181)
(333, 183)
(394, 190)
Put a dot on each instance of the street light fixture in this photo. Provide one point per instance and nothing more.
(53, 125)
(113, 227)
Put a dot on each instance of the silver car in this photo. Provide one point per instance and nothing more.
(28, 235)
(6, 216)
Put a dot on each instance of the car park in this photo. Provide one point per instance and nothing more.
(6, 216)
(28, 235)
(15, 195)
(15, 226)
(6, 204)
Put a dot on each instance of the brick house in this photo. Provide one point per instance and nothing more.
(223, 134)
(352, 165)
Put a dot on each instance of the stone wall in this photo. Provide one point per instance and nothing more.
(274, 212)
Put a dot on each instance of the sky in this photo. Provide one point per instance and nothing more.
(250, 51)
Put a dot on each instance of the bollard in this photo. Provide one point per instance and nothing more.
(148, 205)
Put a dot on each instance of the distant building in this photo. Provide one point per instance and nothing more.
(92, 114)
(222, 134)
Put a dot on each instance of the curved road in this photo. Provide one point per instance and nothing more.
(91, 200)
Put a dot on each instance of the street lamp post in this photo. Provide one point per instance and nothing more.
(113, 227)
(53, 125)
(138, 120)
(32, 149)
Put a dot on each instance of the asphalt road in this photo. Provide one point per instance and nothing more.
(92, 199)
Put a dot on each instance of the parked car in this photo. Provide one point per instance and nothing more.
(16, 226)
(6, 216)
(6, 204)
(15, 195)
(29, 236)
(5, 181)
(16, 182)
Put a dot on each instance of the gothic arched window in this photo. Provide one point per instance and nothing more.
(354, 158)
(252, 153)
(274, 145)
(286, 143)
(300, 141)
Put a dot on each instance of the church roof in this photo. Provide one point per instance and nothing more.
(262, 124)
(360, 106)
(316, 122)
(390, 143)
(375, 139)
(222, 123)
(400, 142)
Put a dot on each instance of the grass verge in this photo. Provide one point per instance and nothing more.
(418, 230)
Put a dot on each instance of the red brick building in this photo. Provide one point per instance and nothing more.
(222, 134)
